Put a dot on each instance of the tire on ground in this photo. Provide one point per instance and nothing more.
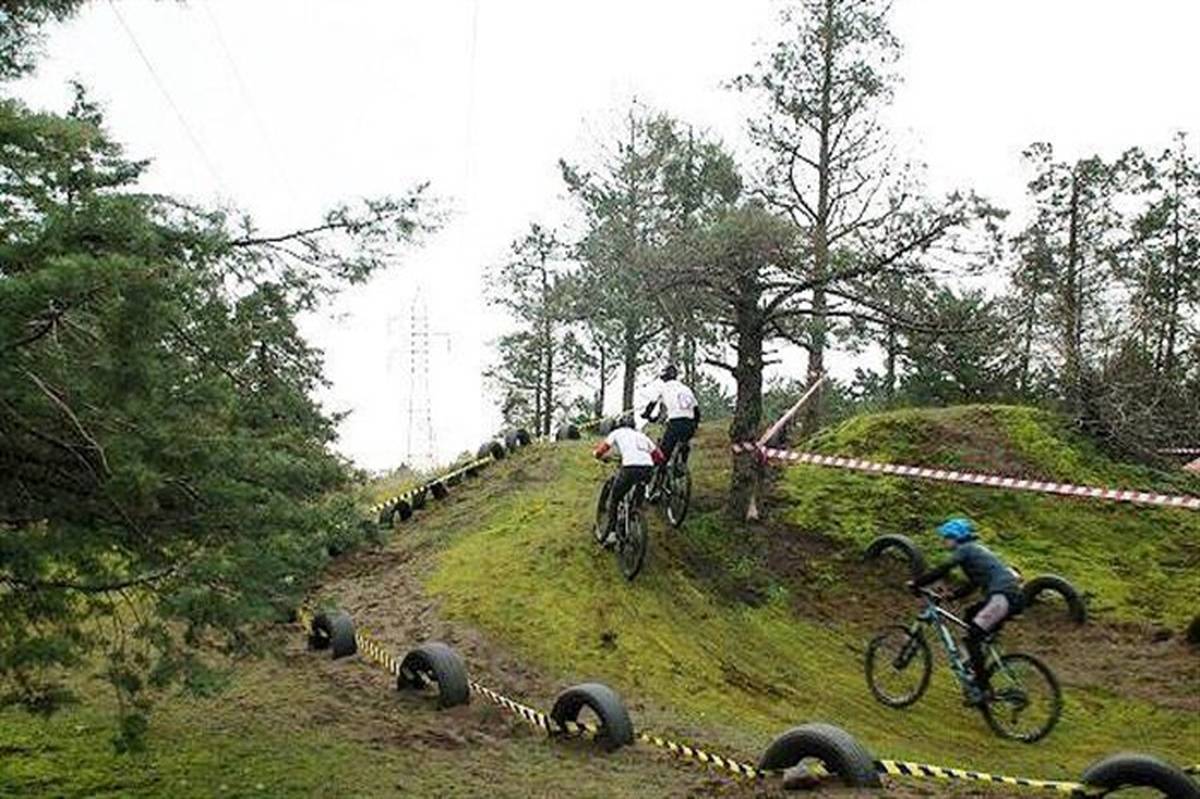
(566, 432)
(333, 630)
(837, 749)
(492, 449)
(417, 498)
(1193, 632)
(1052, 583)
(387, 515)
(616, 728)
(403, 509)
(1130, 770)
(901, 544)
(439, 490)
(512, 440)
(523, 437)
(436, 662)
(605, 426)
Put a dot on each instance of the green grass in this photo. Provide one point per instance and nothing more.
(1138, 563)
(286, 729)
(521, 567)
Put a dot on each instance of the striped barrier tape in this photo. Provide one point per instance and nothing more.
(378, 507)
(728, 764)
(901, 768)
(534, 717)
(973, 478)
(1180, 451)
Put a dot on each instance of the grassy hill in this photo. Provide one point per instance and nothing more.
(731, 634)
(745, 631)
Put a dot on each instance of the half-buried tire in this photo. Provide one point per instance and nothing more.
(512, 440)
(404, 509)
(566, 432)
(901, 545)
(616, 729)
(333, 630)
(523, 437)
(837, 749)
(435, 663)
(439, 490)
(605, 426)
(1133, 770)
(492, 449)
(1053, 584)
(417, 498)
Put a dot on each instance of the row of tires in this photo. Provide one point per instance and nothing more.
(401, 508)
(1036, 590)
(434, 665)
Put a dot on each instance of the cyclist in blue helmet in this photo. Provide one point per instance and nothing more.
(1000, 584)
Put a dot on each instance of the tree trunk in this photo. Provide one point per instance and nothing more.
(890, 377)
(747, 474)
(1072, 312)
(820, 230)
(630, 363)
(549, 409)
(599, 409)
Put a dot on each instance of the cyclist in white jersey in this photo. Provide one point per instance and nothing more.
(678, 404)
(639, 454)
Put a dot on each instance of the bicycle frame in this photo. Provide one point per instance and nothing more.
(934, 615)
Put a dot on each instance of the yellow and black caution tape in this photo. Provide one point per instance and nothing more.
(535, 717)
(373, 651)
(901, 768)
(685, 752)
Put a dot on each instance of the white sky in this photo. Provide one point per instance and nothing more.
(363, 97)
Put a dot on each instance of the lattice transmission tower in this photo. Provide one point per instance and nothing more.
(421, 444)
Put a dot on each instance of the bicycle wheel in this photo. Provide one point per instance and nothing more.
(601, 521)
(1025, 701)
(679, 490)
(631, 548)
(898, 666)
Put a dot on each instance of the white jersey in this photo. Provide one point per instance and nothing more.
(635, 447)
(678, 399)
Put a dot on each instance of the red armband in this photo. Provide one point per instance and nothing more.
(601, 449)
(658, 457)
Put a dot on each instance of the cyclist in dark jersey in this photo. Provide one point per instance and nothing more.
(1000, 584)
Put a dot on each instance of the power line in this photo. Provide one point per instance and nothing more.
(272, 152)
(162, 87)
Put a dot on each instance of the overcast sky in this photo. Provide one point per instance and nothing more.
(293, 106)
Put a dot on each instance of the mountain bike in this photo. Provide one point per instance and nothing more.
(630, 546)
(675, 491)
(1023, 703)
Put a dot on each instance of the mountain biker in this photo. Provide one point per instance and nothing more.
(678, 403)
(984, 571)
(639, 455)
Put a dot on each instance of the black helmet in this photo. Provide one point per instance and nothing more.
(670, 373)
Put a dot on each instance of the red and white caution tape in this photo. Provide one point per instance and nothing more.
(972, 478)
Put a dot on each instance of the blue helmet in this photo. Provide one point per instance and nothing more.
(957, 528)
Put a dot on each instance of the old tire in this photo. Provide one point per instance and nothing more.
(837, 749)
(439, 490)
(901, 545)
(1053, 584)
(523, 437)
(403, 509)
(605, 426)
(616, 728)
(434, 662)
(1132, 770)
(491, 449)
(417, 498)
(566, 432)
(333, 630)
(512, 440)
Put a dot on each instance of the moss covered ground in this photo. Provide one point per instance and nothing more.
(732, 634)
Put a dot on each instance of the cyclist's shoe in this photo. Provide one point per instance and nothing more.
(974, 696)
